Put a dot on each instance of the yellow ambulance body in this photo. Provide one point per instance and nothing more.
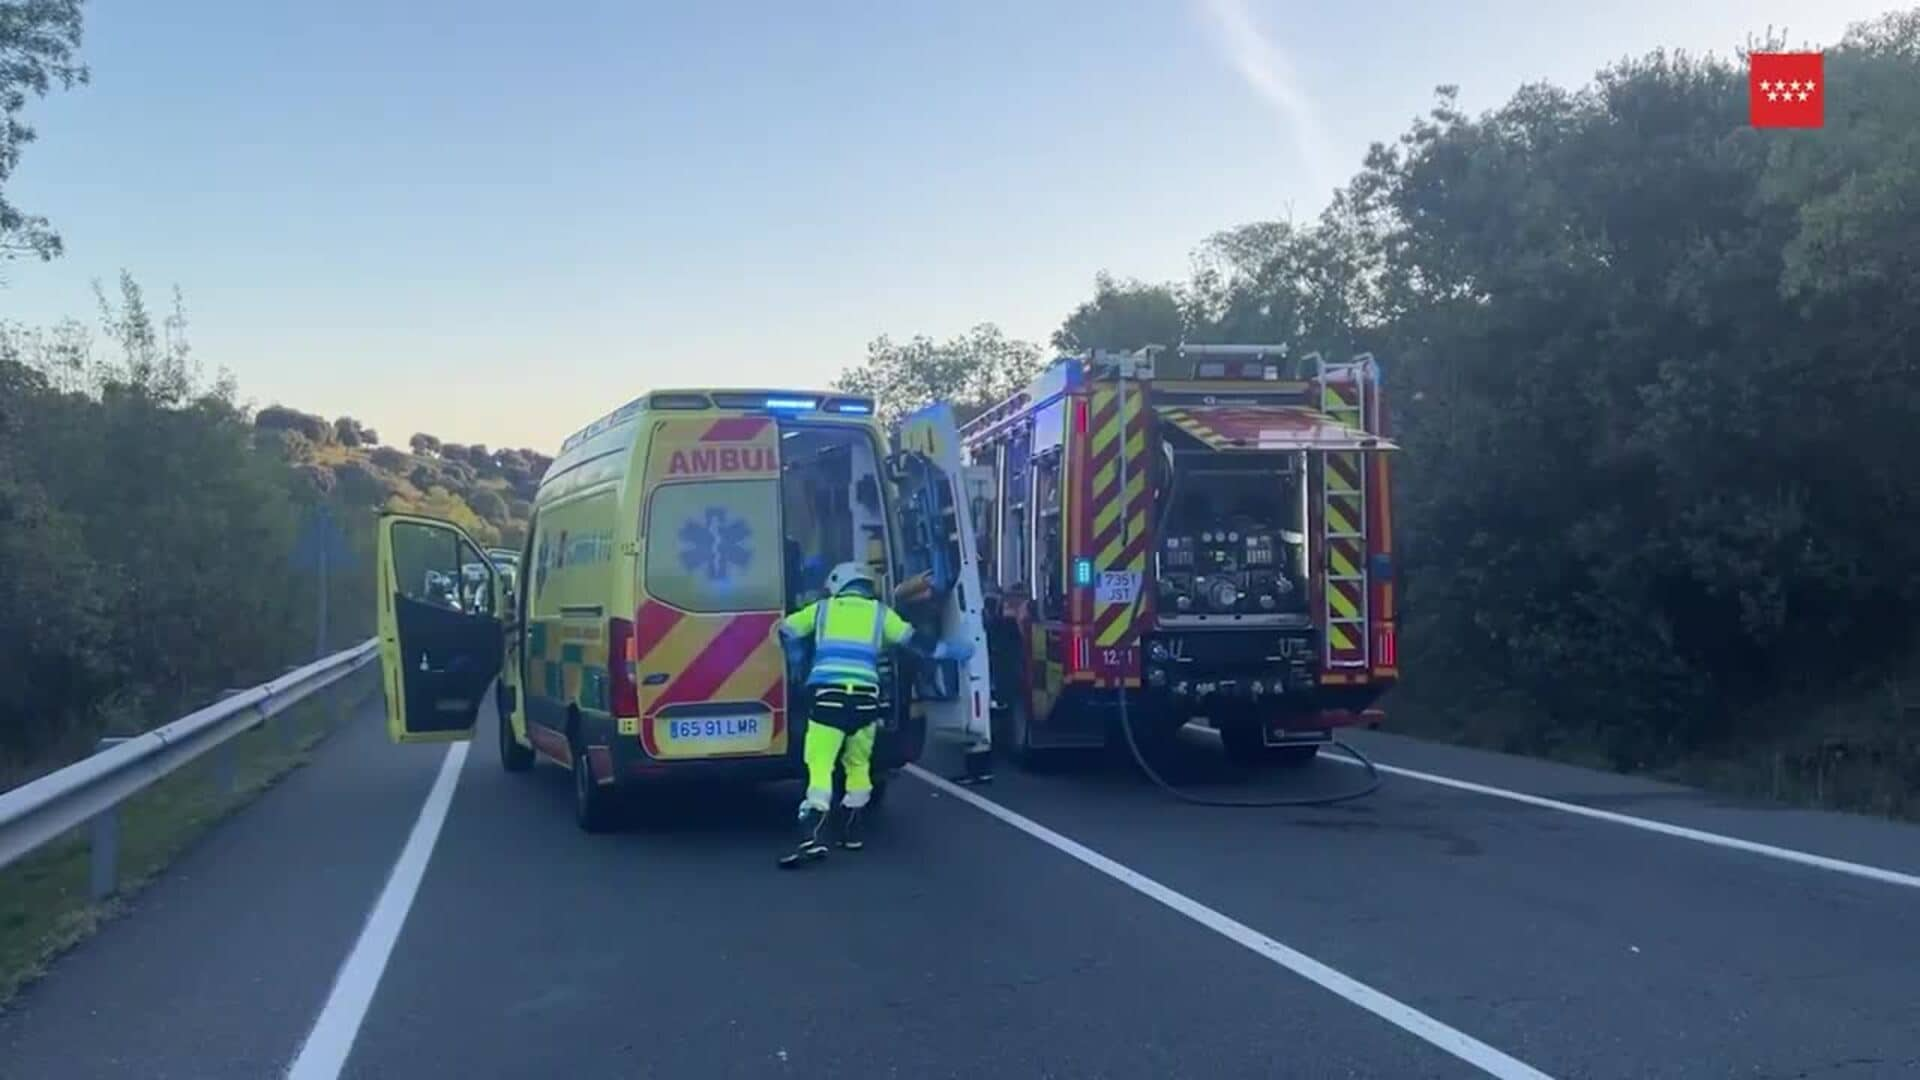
(635, 643)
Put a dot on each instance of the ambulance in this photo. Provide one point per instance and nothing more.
(637, 645)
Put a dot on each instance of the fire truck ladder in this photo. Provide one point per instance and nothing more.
(1343, 518)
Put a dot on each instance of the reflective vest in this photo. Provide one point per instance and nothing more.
(848, 633)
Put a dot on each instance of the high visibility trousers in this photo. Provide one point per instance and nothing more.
(841, 728)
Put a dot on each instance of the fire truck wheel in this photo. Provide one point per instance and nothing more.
(1240, 738)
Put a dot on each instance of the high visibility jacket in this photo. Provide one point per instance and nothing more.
(848, 633)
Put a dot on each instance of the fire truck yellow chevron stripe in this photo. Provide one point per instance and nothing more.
(1341, 638)
(1106, 512)
(1110, 513)
(1340, 558)
(1342, 516)
(1343, 473)
(1344, 597)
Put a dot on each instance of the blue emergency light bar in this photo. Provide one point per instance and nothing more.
(1083, 572)
(776, 401)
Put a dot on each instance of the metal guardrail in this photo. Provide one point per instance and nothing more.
(90, 792)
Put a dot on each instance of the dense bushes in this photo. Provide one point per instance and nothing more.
(150, 531)
(1655, 376)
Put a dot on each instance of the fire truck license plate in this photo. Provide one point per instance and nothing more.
(1117, 587)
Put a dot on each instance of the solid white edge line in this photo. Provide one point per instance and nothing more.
(1792, 855)
(1458, 1043)
(324, 1053)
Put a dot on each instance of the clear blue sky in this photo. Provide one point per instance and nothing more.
(494, 220)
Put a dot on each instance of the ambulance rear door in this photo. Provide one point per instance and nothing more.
(937, 530)
(710, 674)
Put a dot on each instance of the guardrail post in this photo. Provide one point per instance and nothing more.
(104, 854)
(226, 766)
(103, 843)
(343, 700)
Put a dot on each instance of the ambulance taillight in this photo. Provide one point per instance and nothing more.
(623, 668)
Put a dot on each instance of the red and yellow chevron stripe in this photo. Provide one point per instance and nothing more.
(1344, 504)
(1121, 521)
(709, 659)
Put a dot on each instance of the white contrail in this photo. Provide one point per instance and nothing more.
(1268, 69)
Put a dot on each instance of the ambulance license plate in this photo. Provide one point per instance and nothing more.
(716, 728)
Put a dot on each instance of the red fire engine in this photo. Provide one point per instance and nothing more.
(1204, 528)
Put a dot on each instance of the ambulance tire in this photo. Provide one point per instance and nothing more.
(513, 756)
(1014, 739)
(1010, 732)
(592, 803)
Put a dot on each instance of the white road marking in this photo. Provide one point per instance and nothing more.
(1804, 858)
(325, 1051)
(1459, 1044)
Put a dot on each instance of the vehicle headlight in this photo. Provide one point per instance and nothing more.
(1157, 652)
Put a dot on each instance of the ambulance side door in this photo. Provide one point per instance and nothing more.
(938, 531)
(440, 647)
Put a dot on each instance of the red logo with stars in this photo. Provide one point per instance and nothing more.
(1786, 90)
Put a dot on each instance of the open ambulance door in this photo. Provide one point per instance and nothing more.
(936, 523)
(440, 642)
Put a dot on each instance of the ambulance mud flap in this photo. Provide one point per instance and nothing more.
(936, 524)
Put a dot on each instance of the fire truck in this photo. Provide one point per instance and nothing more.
(1203, 529)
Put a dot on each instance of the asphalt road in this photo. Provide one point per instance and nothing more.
(962, 945)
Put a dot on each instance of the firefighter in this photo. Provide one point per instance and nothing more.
(848, 629)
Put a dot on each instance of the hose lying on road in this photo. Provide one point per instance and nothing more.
(1140, 758)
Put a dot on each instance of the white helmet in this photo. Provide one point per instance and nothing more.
(847, 573)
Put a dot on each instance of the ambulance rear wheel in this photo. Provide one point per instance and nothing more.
(513, 756)
(592, 802)
(1012, 728)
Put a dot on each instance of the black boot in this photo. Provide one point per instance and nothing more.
(852, 837)
(807, 847)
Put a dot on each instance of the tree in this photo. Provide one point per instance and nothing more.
(971, 371)
(1122, 316)
(359, 486)
(423, 443)
(284, 443)
(390, 459)
(489, 505)
(38, 39)
(346, 431)
(278, 417)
